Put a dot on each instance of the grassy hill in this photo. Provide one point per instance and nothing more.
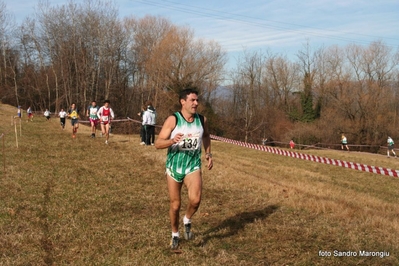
(81, 202)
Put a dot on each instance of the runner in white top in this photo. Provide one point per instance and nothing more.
(62, 114)
(47, 114)
(105, 114)
(183, 134)
(344, 142)
(390, 146)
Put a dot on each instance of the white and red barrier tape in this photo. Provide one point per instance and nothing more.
(313, 158)
(118, 120)
(308, 157)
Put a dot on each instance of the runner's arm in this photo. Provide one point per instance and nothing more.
(99, 113)
(112, 113)
(164, 141)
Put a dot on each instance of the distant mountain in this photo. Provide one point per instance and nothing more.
(223, 92)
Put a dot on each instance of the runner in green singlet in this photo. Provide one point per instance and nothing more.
(183, 134)
(91, 112)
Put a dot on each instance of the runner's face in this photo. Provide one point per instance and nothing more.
(73, 106)
(93, 104)
(191, 103)
(106, 105)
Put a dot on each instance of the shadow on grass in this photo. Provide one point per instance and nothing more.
(232, 225)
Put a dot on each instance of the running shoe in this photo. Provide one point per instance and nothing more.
(187, 232)
(106, 142)
(174, 243)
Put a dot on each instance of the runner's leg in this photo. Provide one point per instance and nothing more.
(193, 182)
(174, 189)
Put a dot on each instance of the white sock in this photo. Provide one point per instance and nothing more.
(175, 234)
(186, 220)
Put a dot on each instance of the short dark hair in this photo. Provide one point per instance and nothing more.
(184, 93)
(107, 101)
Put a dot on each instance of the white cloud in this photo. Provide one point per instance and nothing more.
(278, 25)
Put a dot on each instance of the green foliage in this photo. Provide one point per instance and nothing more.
(294, 115)
(214, 125)
(308, 111)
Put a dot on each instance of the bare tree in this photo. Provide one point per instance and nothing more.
(282, 77)
(169, 59)
(247, 93)
(9, 55)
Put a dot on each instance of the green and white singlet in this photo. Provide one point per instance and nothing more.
(185, 157)
(93, 112)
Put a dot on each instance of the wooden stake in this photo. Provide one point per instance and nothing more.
(20, 127)
(4, 156)
(16, 134)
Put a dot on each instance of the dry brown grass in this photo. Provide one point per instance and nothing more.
(81, 202)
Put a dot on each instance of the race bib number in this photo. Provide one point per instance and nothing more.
(105, 118)
(93, 111)
(74, 115)
(189, 144)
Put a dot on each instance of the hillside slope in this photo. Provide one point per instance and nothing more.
(81, 202)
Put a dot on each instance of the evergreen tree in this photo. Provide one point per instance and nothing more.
(308, 112)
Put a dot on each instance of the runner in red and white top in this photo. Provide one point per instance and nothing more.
(105, 114)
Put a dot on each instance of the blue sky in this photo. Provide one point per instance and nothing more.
(278, 26)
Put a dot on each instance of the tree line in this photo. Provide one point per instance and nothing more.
(324, 93)
(76, 53)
